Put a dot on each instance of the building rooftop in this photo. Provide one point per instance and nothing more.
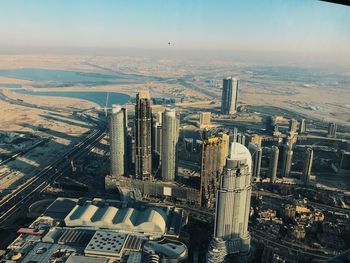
(98, 231)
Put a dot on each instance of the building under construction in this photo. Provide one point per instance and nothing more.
(211, 168)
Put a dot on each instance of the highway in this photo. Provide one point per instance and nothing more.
(23, 195)
(30, 105)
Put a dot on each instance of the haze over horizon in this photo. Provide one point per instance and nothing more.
(312, 31)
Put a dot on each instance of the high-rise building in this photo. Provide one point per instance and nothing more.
(256, 153)
(309, 154)
(302, 126)
(169, 145)
(332, 130)
(229, 96)
(232, 210)
(225, 147)
(204, 119)
(157, 131)
(287, 160)
(117, 130)
(293, 126)
(241, 138)
(143, 126)
(273, 165)
(211, 168)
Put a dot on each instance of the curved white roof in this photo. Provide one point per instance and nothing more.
(240, 153)
(149, 220)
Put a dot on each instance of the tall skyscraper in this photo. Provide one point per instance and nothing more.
(293, 125)
(273, 165)
(143, 138)
(256, 152)
(309, 155)
(169, 145)
(302, 126)
(332, 130)
(211, 168)
(117, 129)
(241, 138)
(229, 96)
(287, 160)
(232, 210)
(157, 132)
(225, 147)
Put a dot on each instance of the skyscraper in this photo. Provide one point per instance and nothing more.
(332, 130)
(169, 144)
(273, 165)
(225, 147)
(157, 131)
(287, 160)
(143, 126)
(302, 126)
(256, 152)
(232, 210)
(211, 168)
(229, 96)
(117, 129)
(309, 155)
(293, 125)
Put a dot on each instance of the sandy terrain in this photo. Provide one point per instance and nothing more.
(63, 129)
(203, 78)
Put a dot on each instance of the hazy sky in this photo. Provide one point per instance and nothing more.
(252, 25)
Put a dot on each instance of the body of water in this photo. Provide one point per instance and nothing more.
(97, 97)
(65, 77)
(10, 86)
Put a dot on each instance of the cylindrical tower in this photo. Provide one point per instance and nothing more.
(273, 166)
(169, 144)
(309, 154)
(117, 140)
(231, 234)
(287, 161)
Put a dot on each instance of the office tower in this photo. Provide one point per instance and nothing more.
(232, 210)
(293, 125)
(309, 155)
(302, 126)
(256, 153)
(273, 165)
(117, 131)
(241, 138)
(287, 160)
(204, 119)
(143, 123)
(130, 156)
(157, 131)
(169, 145)
(332, 130)
(211, 168)
(344, 163)
(229, 96)
(225, 147)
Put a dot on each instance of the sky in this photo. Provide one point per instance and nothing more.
(252, 25)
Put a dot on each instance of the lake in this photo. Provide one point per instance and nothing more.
(98, 97)
(66, 78)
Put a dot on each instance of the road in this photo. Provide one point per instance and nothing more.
(23, 195)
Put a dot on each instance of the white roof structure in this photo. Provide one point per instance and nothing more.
(240, 153)
(149, 220)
